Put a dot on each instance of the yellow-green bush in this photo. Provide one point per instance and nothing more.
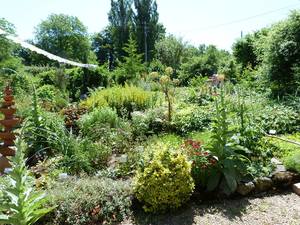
(124, 99)
(163, 181)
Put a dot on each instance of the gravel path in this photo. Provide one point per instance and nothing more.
(282, 209)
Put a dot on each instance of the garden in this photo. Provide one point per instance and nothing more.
(137, 138)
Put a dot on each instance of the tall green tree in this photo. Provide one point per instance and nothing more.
(282, 55)
(102, 46)
(131, 66)
(170, 51)
(7, 47)
(147, 28)
(65, 36)
(120, 22)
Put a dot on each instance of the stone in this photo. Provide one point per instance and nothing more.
(283, 178)
(276, 161)
(296, 188)
(278, 169)
(245, 188)
(263, 184)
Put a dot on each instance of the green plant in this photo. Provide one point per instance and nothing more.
(292, 161)
(89, 200)
(163, 180)
(99, 117)
(191, 118)
(232, 165)
(124, 99)
(167, 87)
(202, 161)
(24, 205)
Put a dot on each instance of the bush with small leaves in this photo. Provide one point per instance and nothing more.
(163, 181)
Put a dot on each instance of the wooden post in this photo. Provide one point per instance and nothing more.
(8, 123)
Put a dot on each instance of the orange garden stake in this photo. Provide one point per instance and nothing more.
(8, 123)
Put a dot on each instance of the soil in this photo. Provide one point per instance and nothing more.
(263, 209)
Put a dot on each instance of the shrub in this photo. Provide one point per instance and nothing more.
(281, 118)
(163, 181)
(124, 99)
(191, 119)
(99, 117)
(292, 161)
(89, 201)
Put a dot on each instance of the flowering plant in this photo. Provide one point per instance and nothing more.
(202, 161)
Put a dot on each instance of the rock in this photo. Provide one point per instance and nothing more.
(283, 178)
(276, 161)
(263, 184)
(123, 158)
(296, 188)
(278, 169)
(245, 188)
(63, 176)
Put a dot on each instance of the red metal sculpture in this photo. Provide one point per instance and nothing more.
(8, 123)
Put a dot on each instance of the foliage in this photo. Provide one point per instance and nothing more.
(191, 118)
(232, 164)
(99, 116)
(23, 205)
(163, 180)
(292, 161)
(170, 51)
(202, 161)
(146, 23)
(167, 87)
(64, 36)
(281, 54)
(124, 99)
(244, 51)
(131, 65)
(51, 97)
(209, 62)
(89, 201)
(39, 131)
(83, 155)
(120, 24)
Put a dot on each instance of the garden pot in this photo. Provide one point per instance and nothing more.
(10, 123)
(8, 98)
(6, 136)
(7, 151)
(8, 112)
(4, 163)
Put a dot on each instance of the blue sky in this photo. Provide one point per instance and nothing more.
(196, 21)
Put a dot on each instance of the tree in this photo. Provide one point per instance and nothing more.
(120, 21)
(170, 51)
(7, 47)
(132, 65)
(244, 51)
(103, 48)
(64, 36)
(147, 28)
(282, 54)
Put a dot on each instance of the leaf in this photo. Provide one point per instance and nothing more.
(213, 180)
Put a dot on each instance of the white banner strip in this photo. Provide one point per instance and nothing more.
(43, 52)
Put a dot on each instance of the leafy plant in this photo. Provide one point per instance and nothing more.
(24, 205)
(89, 200)
(124, 99)
(232, 165)
(163, 180)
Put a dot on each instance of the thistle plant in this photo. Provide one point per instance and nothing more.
(21, 203)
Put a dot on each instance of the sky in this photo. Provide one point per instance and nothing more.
(218, 22)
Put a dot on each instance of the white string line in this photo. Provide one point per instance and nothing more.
(49, 55)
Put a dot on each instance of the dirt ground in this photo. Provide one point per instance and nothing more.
(279, 209)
